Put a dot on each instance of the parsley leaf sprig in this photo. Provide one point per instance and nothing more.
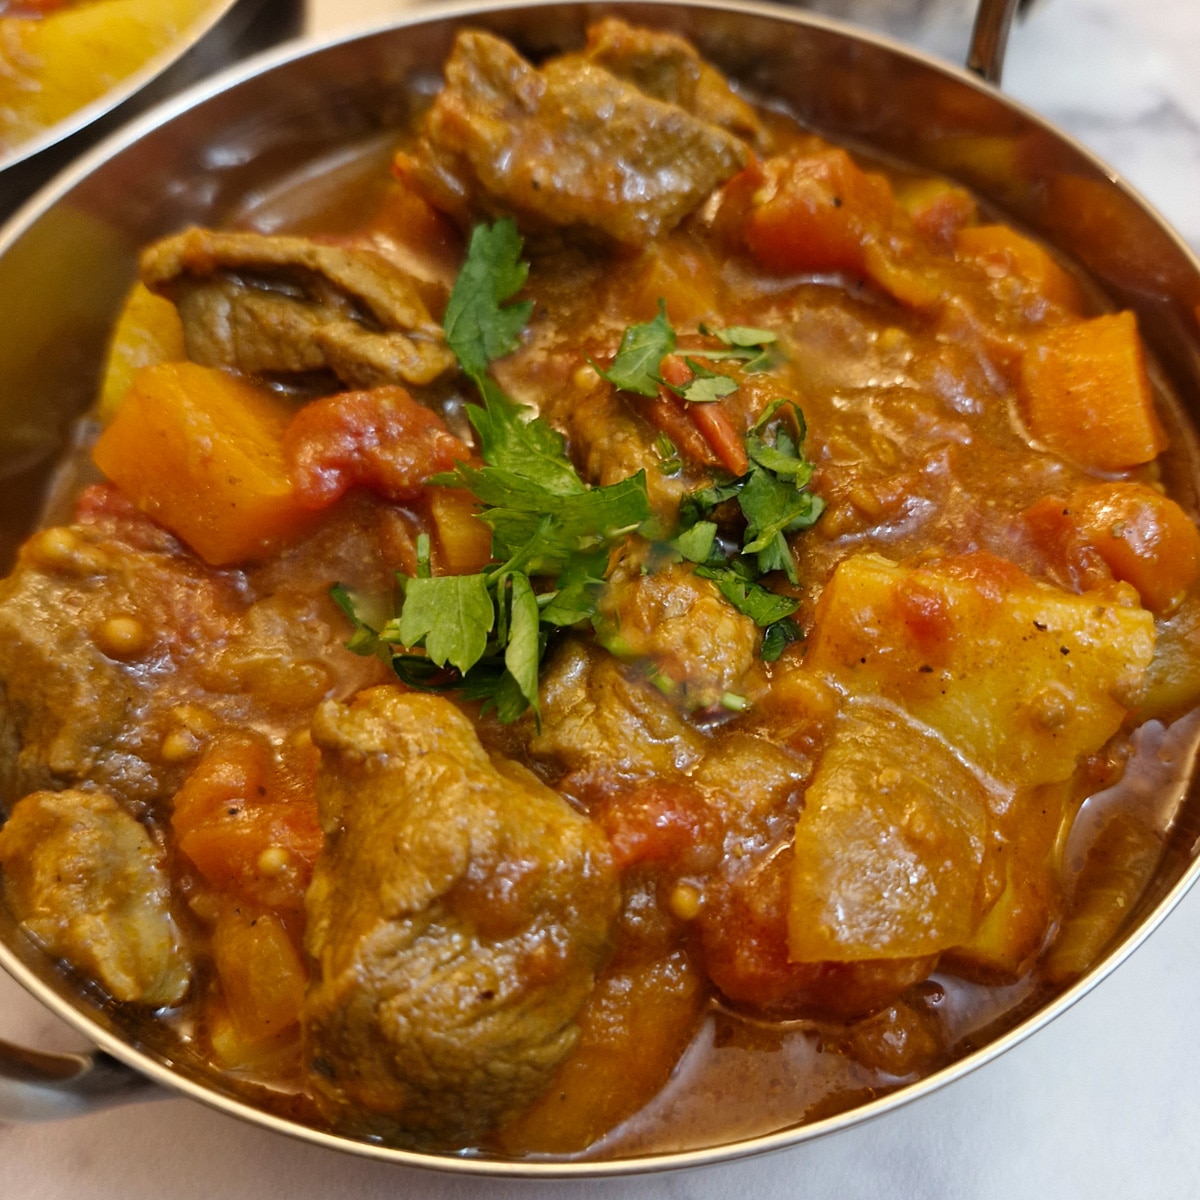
(486, 634)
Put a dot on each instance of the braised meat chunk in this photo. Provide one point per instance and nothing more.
(569, 145)
(82, 653)
(457, 919)
(85, 880)
(290, 305)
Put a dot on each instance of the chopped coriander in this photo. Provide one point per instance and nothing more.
(479, 325)
(705, 386)
(778, 636)
(638, 364)
(450, 616)
(761, 605)
(696, 544)
(486, 634)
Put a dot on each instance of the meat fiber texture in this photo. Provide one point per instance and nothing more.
(576, 144)
(457, 918)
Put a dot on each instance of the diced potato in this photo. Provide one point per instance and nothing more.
(890, 846)
(1002, 251)
(262, 976)
(1014, 930)
(201, 451)
(462, 542)
(148, 331)
(1085, 393)
(632, 1031)
(1024, 679)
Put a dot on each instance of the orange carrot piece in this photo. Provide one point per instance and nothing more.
(1146, 539)
(817, 213)
(714, 423)
(1086, 393)
(1001, 251)
(201, 452)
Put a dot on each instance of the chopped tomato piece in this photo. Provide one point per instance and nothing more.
(381, 439)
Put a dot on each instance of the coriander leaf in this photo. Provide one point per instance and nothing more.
(696, 544)
(706, 386)
(699, 504)
(522, 654)
(530, 449)
(364, 640)
(772, 415)
(638, 364)
(497, 689)
(421, 673)
(781, 459)
(741, 335)
(579, 587)
(450, 615)
(763, 607)
(758, 349)
(479, 327)
(773, 507)
(776, 637)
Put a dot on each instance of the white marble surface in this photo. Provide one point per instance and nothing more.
(1103, 1104)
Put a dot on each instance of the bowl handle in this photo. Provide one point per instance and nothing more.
(989, 37)
(37, 1086)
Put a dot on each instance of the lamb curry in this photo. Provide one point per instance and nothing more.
(654, 633)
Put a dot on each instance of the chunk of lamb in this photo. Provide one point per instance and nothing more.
(457, 918)
(291, 306)
(82, 653)
(85, 880)
(606, 726)
(701, 648)
(568, 145)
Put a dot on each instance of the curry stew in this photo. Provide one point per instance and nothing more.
(660, 631)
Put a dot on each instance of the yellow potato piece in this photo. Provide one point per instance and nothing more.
(891, 846)
(148, 332)
(1022, 678)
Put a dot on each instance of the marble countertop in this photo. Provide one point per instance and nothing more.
(1103, 1103)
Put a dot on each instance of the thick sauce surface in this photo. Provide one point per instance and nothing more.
(859, 739)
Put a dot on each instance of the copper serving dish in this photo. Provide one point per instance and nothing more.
(67, 258)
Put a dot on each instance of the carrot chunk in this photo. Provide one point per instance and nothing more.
(817, 213)
(1086, 393)
(1146, 539)
(202, 453)
(249, 828)
(1002, 252)
(462, 543)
